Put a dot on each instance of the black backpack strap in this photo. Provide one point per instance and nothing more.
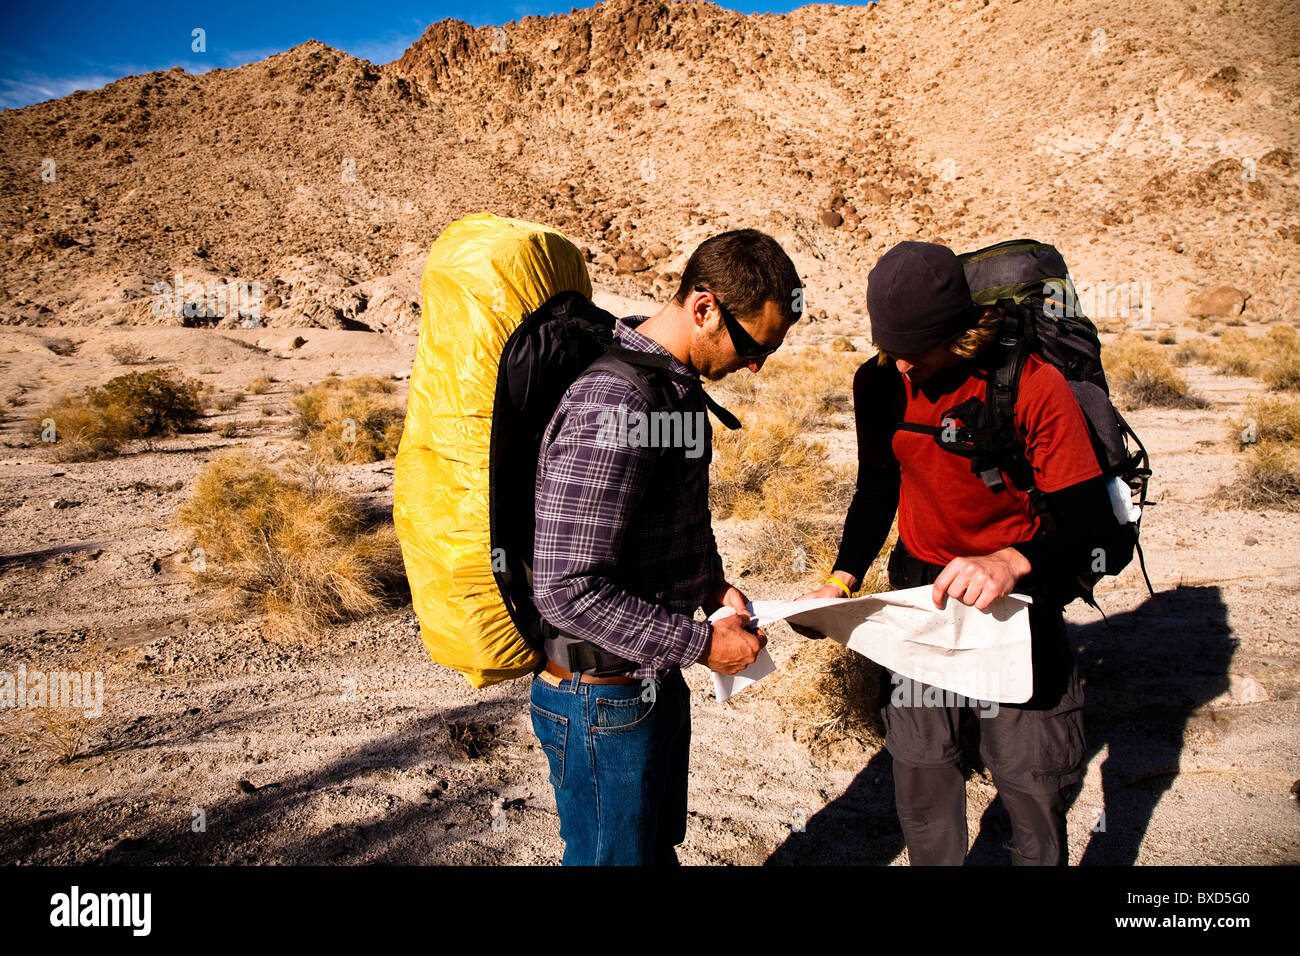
(720, 413)
(635, 368)
(631, 366)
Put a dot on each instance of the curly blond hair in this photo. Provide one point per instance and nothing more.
(973, 341)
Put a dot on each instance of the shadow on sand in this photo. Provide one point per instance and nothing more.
(1145, 675)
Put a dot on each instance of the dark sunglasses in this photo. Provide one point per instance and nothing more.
(741, 340)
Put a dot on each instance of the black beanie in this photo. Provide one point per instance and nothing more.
(918, 298)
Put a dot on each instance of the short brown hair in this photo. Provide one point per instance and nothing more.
(745, 269)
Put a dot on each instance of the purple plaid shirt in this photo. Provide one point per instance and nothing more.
(624, 552)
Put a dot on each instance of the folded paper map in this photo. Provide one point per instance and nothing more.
(978, 655)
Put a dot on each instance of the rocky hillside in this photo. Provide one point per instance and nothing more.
(1155, 143)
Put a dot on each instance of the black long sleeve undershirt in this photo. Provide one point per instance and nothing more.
(871, 515)
(878, 404)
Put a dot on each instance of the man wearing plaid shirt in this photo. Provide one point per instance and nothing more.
(625, 554)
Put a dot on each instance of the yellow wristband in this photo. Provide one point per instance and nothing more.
(843, 587)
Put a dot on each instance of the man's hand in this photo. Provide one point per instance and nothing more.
(731, 647)
(979, 581)
(731, 596)
(825, 591)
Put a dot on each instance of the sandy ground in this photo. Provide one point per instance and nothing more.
(219, 746)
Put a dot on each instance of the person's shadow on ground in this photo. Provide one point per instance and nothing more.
(1144, 676)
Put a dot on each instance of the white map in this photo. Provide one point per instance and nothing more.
(980, 655)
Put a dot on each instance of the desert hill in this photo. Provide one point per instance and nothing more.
(1154, 143)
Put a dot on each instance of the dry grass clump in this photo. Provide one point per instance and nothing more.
(226, 402)
(774, 470)
(300, 552)
(261, 385)
(1271, 479)
(830, 695)
(135, 405)
(58, 731)
(128, 353)
(353, 420)
(1271, 420)
(1274, 357)
(1282, 370)
(72, 699)
(1270, 431)
(771, 467)
(1140, 371)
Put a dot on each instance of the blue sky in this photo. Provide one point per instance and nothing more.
(52, 48)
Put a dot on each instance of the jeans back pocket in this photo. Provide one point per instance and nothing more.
(552, 732)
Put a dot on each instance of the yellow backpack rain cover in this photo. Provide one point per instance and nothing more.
(483, 275)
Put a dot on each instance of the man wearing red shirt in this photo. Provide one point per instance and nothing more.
(971, 543)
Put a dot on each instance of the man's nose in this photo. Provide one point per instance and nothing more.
(757, 364)
(903, 367)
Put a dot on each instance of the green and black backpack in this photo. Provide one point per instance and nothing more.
(1031, 285)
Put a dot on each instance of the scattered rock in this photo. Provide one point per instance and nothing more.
(1245, 690)
(1277, 158)
(60, 503)
(1222, 300)
(831, 219)
(630, 262)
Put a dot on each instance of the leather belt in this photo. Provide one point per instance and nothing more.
(554, 670)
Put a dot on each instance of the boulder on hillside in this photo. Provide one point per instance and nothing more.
(1222, 300)
(630, 262)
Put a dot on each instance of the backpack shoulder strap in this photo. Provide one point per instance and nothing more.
(639, 367)
(635, 368)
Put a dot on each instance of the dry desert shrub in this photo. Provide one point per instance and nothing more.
(353, 420)
(261, 385)
(828, 694)
(1270, 479)
(1140, 371)
(226, 402)
(1274, 357)
(301, 552)
(98, 422)
(1271, 420)
(128, 353)
(772, 466)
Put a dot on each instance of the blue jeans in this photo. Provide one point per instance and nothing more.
(618, 756)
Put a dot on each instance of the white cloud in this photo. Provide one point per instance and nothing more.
(28, 88)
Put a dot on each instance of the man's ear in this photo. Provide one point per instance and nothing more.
(697, 304)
